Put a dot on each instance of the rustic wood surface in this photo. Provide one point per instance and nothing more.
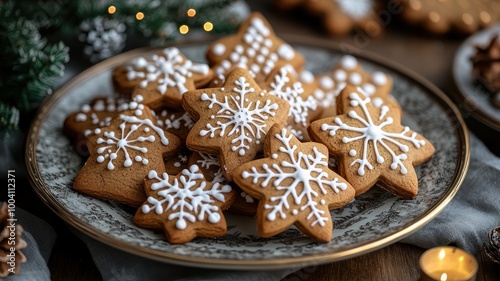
(429, 56)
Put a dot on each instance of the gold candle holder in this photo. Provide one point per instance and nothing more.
(447, 264)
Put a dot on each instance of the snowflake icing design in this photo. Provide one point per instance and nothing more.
(169, 70)
(241, 117)
(309, 180)
(188, 198)
(172, 121)
(123, 142)
(209, 160)
(299, 108)
(374, 133)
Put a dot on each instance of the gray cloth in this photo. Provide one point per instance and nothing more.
(116, 265)
(474, 211)
(38, 250)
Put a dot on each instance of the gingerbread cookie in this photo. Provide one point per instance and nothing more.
(341, 16)
(371, 146)
(244, 204)
(97, 114)
(303, 107)
(255, 47)
(348, 71)
(177, 122)
(122, 154)
(486, 68)
(232, 121)
(184, 206)
(294, 186)
(174, 164)
(465, 16)
(162, 78)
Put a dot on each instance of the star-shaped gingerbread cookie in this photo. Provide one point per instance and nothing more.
(348, 71)
(122, 154)
(303, 107)
(371, 146)
(254, 47)
(161, 78)
(184, 206)
(232, 121)
(441, 16)
(294, 186)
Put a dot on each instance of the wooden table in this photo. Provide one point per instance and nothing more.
(429, 56)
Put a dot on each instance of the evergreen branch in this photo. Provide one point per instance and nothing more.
(9, 119)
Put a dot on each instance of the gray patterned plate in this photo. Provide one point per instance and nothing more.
(371, 221)
(474, 98)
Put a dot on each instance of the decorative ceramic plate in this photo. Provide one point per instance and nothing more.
(474, 98)
(370, 222)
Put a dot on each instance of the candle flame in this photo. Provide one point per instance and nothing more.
(442, 254)
(444, 277)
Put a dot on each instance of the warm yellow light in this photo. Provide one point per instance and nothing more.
(208, 26)
(183, 29)
(139, 15)
(191, 12)
(442, 254)
(444, 277)
(111, 9)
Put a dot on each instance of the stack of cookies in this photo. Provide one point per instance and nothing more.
(250, 132)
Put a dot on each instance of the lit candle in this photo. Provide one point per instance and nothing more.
(447, 264)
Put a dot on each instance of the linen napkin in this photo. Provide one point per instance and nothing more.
(473, 212)
(116, 265)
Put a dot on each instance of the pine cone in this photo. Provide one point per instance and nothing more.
(11, 244)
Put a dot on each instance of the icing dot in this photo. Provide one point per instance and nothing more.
(214, 218)
(138, 158)
(146, 130)
(378, 102)
(306, 76)
(348, 62)
(80, 117)
(286, 52)
(177, 164)
(181, 224)
(355, 78)
(295, 212)
(100, 159)
(379, 78)
(326, 82)
(340, 75)
(323, 202)
(219, 49)
(86, 108)
(251, 52)
(369, 89)
(352, 152)
(226, 64)
(271, 216)
(275, 156)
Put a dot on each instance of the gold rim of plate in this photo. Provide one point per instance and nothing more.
(49, 199)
